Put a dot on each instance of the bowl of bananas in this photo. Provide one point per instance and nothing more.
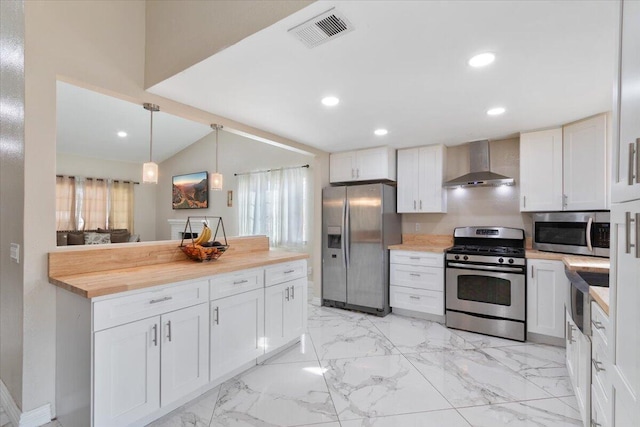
(208, 245)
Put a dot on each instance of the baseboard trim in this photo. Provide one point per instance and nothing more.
(34, 418)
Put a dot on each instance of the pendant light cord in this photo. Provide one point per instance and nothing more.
(151, 140)
(217, 128)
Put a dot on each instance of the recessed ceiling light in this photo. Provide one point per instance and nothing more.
(496, 111)
(482, 59)
(381, 132)
(330, 101)
(122, 134)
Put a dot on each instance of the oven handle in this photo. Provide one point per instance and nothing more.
(485, 267)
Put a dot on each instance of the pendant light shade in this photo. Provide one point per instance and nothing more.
(216, 178)
(150, 169)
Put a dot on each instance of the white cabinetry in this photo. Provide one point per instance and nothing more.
(585, 154)
(601, 368)
(285, 309)
(541, 171)
(420, 178)
(373, 164)
(578, 358)
(417, 281)
(547, 292)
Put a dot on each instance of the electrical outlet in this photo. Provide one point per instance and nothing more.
(417, 226)
(15, 253)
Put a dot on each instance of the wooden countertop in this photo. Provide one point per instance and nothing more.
(591, 264)
(601, 296)
(419, 248)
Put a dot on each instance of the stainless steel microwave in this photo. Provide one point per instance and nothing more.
(581, 233)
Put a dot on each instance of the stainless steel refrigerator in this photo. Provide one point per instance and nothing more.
(358, 223)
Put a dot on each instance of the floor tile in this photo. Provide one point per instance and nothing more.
(378, 386)
(350, 338)
(301, 352)
(572, 401)
(471, 377)
(483, 341)
(288, 394)
(196, 413)
(319, 316)
(546, 412)
(444, 418)
(410, 335)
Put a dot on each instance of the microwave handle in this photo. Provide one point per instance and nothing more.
(589, 224)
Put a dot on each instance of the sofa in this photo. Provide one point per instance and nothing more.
(95, 237)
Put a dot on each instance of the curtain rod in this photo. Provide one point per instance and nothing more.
(100, 179)
(270, 170)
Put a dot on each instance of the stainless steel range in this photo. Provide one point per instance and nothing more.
(486, 281)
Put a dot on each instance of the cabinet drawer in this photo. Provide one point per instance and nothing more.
(599, 322)
(425, 259)
(429, 278)
(120, 310)
(420, 300)
(285, 272)
(600, 412)
(600, 366)
(224, 285)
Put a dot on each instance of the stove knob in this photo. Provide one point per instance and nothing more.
(501, 260)
(465, 257)
(510, 260)
(457, 257)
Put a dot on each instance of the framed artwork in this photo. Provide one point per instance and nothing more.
(190, 191)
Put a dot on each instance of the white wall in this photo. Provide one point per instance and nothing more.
(144, 214)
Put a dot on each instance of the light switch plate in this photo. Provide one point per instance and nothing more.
(15, 252)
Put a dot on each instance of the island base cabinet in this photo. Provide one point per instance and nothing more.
(127, 373)
(285, 312)
(578, 359)
(237, 328)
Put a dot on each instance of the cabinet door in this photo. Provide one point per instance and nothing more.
(624, 315)
(583, 376)
(431, 196)
(407, 192)
(626, 187)
(570, 354)
(185, 352)
(237, 328)
(547, 293)
(295, 309)
(373, 164)
(541, 171)
(274, 327)
(126, 372)
(342, 167)
(584, 161)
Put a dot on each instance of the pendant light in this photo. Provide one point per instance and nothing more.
(216, 178)
(150, 169)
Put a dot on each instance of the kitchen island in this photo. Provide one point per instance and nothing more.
(143, 330)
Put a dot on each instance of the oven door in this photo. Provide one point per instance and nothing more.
(487, 293)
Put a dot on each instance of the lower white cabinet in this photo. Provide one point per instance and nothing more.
(547, 293)
(285, 312)
(417, 281)
(578, 358)
(237, 328)
(601, 388)
(144, 365)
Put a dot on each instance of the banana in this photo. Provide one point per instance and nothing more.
(204, 236)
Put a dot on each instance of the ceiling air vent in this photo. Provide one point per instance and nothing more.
(322, 28)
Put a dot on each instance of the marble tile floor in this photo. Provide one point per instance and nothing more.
(357, 370)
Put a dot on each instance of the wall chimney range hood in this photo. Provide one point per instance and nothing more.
(480, 175)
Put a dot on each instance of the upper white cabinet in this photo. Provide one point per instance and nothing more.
(626, 173)
(565, 169)
(585, 164)
(547, 293)
(420, 178)
(374, 164)
(541, 171)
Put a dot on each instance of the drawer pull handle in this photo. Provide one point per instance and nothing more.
(413, 297)
(414, 274)
(217, 316)
(289, 271)
(596, 365)
(597, 325)
(155, 301)
(414, 257)
(240, 282)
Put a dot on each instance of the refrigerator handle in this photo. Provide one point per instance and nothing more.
(343, 246)
(347, 232)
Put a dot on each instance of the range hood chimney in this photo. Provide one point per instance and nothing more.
(480, 175)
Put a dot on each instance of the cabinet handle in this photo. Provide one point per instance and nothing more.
(524, 201)
(420, 204)
(414, 257)
(217, 316)
(353, 173)
(533, 271)
(415, 206)
(289, 271)
(155, 301)
(637, 155)
(632, 161)
(155, 335)
(358, 173)
(286, 296)
(414, 274)
(293, 295)
(570, 332)
(169, 330)
(597, 325)
(637, 220)
(565, 200)
(414, 297)
(627, 230)
(595, 424)
(240, 282)
(596, 365)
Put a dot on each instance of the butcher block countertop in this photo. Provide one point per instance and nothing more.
(601, 296)
(419, 248)
(97, 272)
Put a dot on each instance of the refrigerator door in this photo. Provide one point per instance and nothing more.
(364, 249)
(334, 271)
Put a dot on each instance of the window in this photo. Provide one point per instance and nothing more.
(89, 203)
(275, 203)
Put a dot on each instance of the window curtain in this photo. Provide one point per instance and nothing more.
(276, 204)
(121, 205)
(65, 203)
(93, 196)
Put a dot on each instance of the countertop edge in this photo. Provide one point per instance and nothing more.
(600, 297)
